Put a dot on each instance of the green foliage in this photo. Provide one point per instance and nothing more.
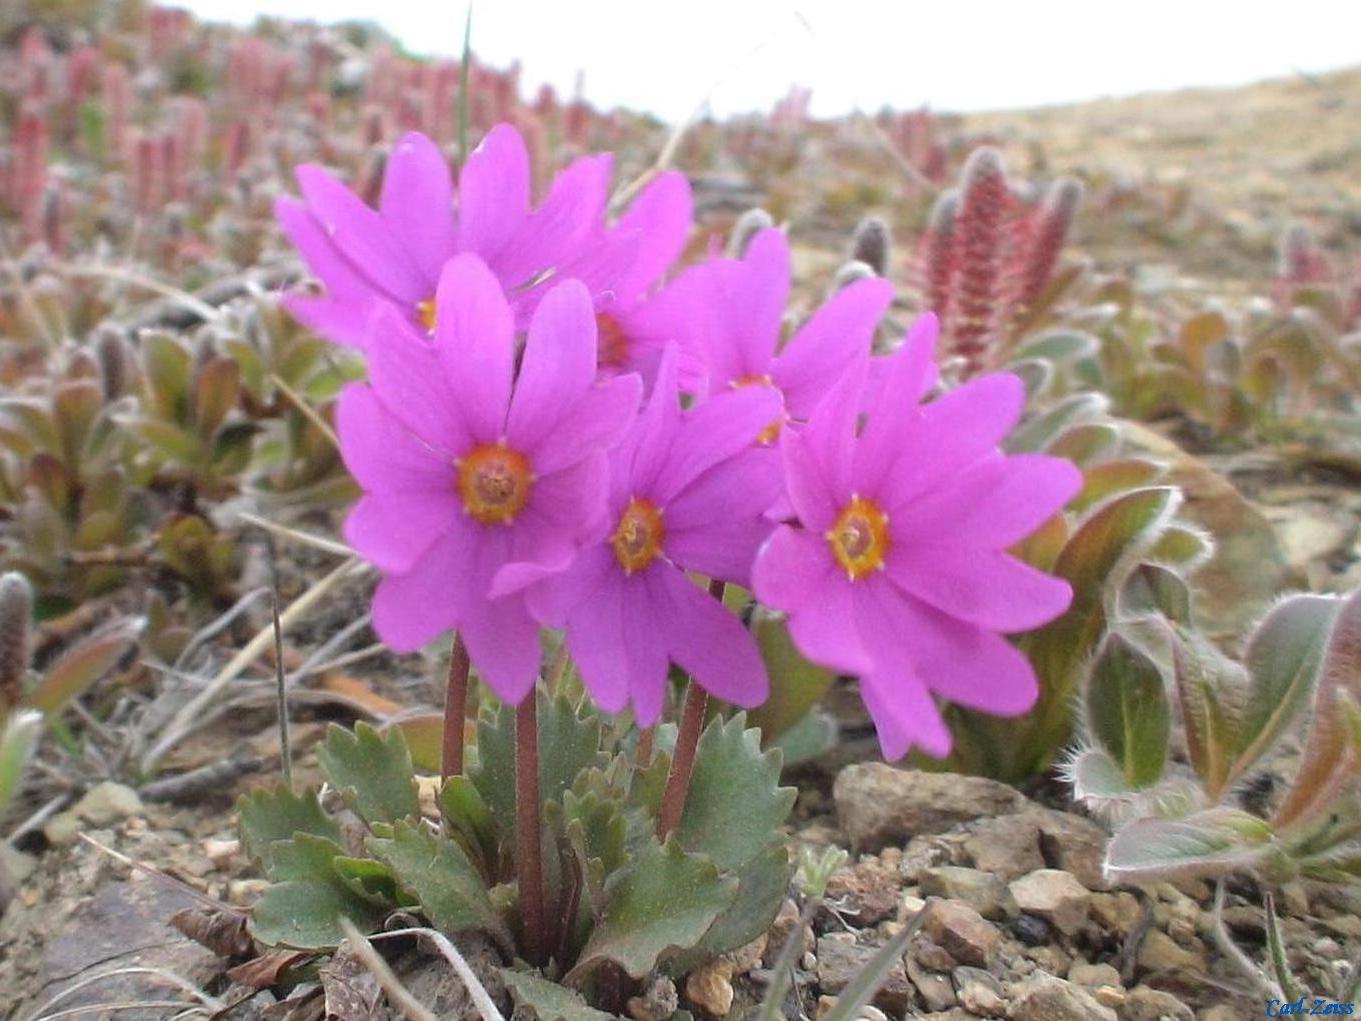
(1127, 713)
(374, 771)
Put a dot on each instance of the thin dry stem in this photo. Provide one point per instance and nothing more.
(397, 993)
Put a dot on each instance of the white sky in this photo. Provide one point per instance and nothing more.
(951, 54)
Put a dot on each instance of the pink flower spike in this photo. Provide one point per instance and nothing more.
(688, 492)
(895, 567)
(469, 472)
(393, 256)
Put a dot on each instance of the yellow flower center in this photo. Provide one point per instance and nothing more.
(637, 541)
(771, 432)
(859, 537)
(426, 314)
(494, 483)
(613, 344)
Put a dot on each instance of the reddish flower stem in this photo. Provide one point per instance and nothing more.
(528, 804)
(643, 757)
(687, 741)
(455, 710)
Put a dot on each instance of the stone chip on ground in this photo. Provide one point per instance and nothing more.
(879, 804)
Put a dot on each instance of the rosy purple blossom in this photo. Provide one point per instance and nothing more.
(736, 313)
(896, 568)
(394, 255)
(468, 467)
(688, 493)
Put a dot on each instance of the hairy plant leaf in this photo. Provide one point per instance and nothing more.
(1127, 710)
(1282, 660)
(1216, 842)
(271, 815)
(1102, 481)
(1329, 760)
(1182, 546)
(1085, 444)
(18, 737)
(548, 1001)
(81, 666)
(216, 389)
(814, 735)
(1152, 589)
(439, 875)
(1210, 691)
(1059, 346)
(1036, 434)
(662, 900)
(736, 802)
(373, 769)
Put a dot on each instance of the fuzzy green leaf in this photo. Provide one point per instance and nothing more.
(216, 389)
(1097, 778)
(1210, 691)
(273, 815)
(662, 900)
(374, 770)
(81, 666)
(736, 804)
(18, 737)
(1036, 434)
(1060, 346)
(1182, 546)
(1216, 842)
(548, 1001)
(1127, 710)
(1152, 589)
(439, 875)
(1102, 481)
(1282, 661)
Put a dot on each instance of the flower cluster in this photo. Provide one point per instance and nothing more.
(556, 434)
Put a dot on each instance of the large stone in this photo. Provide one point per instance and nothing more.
(879, 805)
(1007, 846)
(1045, 998)
(870, 889)
(1074, 844)
(1145, 1004)
(1055, 896)
(984, 892)
(962, 932)
(840, 962)
(1159, 952)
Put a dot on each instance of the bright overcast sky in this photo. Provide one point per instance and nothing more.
(951, 54)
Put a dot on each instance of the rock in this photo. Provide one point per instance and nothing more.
(1117, 913)
(1161, 953)
(782, 927)
(930, 954)
(869, 888)
(979, 992)
(1007, 847)
(658, 1003)
(710, 988)
(1045, 998)
(1145, 1004)
(1219, 1012)
(1031, 930)
(838, 963)
(1093, 976)
(962, 932)
(103, 805)
(936, 990)
(1055, 896)
(985, 893)
(1074, 844)
(880, 805)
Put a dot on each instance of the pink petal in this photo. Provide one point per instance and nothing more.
(645, 451)
(564, 509)
(817, 458)
(758, 298)
(661, 215)
(838, 333)
(711, 433)
(718, 523)
(595, 423)
(503, 644)
(383, 454)
(793, 569)
(418, 202)
(558, 365)
(904, 714)
(994, 503)
(493, 193)
(552, 595)
(475, 342)
(982, 586)
(392, 530)
(965, 663)
(826, 631)
(893, 401)
(566, 221)
(442, 586)
(407, 376)
(343, 315)
(362, 237)
(614, 641)
(339, 322)
(707, 641)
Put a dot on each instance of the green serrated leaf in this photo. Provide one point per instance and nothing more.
(276, 814)
(1127, 710)
(662, 900)
(374, 770)
(548, 1001)
(305, 914)
(735, 801)
(762, 888)
(1216, 842)
(602, 826)
(467, 814)
(439, 875)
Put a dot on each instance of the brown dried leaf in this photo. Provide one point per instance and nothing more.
(221, 931)
(266, 969)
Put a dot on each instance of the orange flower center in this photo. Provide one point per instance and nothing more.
(494, 483)
(637, 541)
(771, 432)
(426, 314)
(859, 537)
(613, 343)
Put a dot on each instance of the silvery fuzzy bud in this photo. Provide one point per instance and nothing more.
(871, 244)
(115, 360)
(16, 614)
(748, 225)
